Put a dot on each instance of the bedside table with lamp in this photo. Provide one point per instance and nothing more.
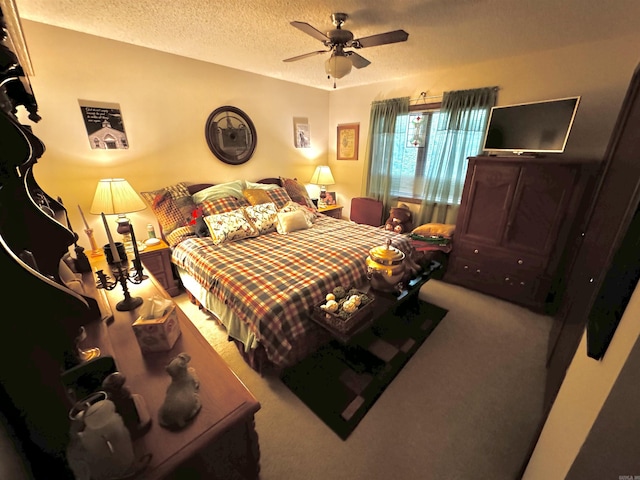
(322, 176)
(115, 196)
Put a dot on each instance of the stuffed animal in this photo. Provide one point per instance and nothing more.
(199, 225)
(182, 401)
(400, 219)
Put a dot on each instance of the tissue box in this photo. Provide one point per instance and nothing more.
(158, 334)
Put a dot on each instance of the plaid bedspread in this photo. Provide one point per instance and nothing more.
(272, 282)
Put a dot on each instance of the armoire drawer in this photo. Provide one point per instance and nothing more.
(520, 287)
(507, 259)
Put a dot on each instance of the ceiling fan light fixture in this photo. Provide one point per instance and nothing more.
(337, 66)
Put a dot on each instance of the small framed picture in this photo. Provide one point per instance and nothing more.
(301, 133)
(330, 198)
(347, 148)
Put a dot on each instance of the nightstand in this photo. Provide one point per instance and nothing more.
(334, 211)
(157, 260)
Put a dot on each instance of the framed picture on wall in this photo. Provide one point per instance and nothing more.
(301, 133)
(347, 148)
(103, 121)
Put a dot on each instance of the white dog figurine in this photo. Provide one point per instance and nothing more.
(182, 402)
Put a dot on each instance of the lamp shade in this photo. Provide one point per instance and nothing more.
(114, 196)
(337, 66)
(322, 176)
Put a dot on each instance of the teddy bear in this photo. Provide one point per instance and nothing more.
(182, 401)
(400, 219)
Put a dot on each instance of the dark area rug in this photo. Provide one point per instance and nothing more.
(341, 382)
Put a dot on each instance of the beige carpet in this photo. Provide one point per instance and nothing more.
(465, 407)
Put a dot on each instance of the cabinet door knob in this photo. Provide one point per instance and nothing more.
(520, 261)
(475, 251)
(466, 267)
(506, 279)
(478, 270)
(522, 283)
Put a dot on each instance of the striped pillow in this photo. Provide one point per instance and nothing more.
(222, 205)
(279, 196)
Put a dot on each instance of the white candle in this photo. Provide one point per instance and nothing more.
(112, 246)
(86, 225)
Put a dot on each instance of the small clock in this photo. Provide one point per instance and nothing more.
(231, 135)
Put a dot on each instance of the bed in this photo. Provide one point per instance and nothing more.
(262, 287)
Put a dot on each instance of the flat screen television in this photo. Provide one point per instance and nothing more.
(534, 127)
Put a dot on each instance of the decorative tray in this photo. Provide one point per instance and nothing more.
(341, 321)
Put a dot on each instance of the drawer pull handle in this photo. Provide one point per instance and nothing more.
(466, 267)
(478, 270)
(506, 279)
(476, 251)
(522, 283)
(520, 261)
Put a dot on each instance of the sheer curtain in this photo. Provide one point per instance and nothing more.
(382, 125)
(461, 125)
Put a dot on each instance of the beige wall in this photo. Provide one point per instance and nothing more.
(598, 72)
(166, 99)
(165, 102)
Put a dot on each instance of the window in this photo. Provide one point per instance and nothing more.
(419, 140)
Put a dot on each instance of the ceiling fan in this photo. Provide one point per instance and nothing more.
(340, 62)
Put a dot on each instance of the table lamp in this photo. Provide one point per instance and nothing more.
(115, 196)
(322, 176)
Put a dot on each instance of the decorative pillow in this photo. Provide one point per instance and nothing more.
(292, 221)
(230, 226)
(171, 205)
(228, 189)
(263, 216)
(261, 186)
(256, 196)
(297, 191)
(279, 196)
(293, 206)
(222, 205)
(179, 234)
(436, 229)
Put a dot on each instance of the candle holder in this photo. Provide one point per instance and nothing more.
(95, 251)
(121, 275)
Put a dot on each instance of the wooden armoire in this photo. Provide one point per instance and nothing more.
(515, 217)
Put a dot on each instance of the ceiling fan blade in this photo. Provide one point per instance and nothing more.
(381, 39)
(306, 55)
(309, 30)
(358, 61)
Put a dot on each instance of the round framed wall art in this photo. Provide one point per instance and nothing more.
(231, 135)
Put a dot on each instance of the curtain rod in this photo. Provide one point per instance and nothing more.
(423, 96)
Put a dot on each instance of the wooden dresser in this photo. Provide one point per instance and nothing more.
(515, 216)
(221, 442)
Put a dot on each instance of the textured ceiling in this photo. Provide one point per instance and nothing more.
(256, 35)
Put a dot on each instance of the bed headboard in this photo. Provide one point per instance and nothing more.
(196, 187)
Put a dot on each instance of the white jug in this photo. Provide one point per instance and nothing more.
(100, 447)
